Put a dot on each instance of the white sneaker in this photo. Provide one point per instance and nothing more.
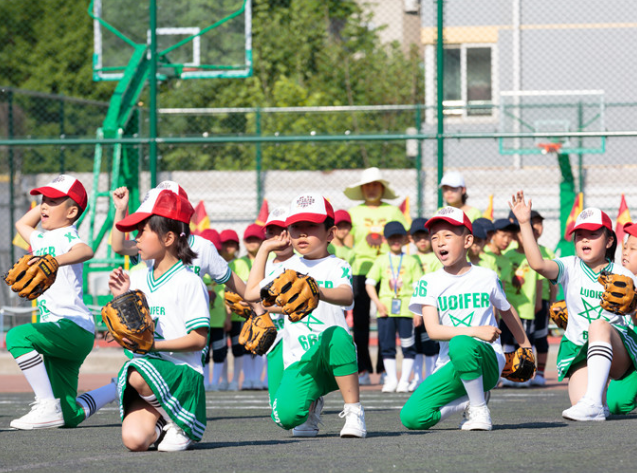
(364, 380)
(465, 414)
(414, 385)
(478, 418)
(383, 377)
(390, 385)
(45, 414)
(538, 380)
(584, 411)
(223, 385)
(247, 385)
(175, 439)
(606, 411)
(232, 386)
(354, 422)
(403, 387)
(211, 387)
(310, 428)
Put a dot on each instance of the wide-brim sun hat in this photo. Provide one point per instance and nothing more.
(354, 191)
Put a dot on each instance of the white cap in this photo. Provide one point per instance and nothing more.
(277, 217)
(452, 215)
(452, 179)
(592, 219)
(311, 207)
(173, 187)
(369, 175)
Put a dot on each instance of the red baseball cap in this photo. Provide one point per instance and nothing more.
(64, 186)
(451, 215)
(254, 230)
(213, 237)
(229, 235)
(592, 219)
(174, 187)
(342, 216)
(309, 208)
(160, 202)
(277, 217)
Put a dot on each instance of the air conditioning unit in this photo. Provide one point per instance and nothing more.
(411, 6)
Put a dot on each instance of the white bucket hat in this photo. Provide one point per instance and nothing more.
(354, 191)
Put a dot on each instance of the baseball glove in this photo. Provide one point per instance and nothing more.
(297, 294)
(237, 305)
(619, 293)
(258, 334)
(520, 365)
(31, 280)
(128, 320)
(559, 314)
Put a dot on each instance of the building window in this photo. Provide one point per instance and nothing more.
(469, 81)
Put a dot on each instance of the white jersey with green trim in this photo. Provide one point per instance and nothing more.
(208, 260)
(329, 272)
(64, 299)
(582, 293)
(178, 303)
(466, 300)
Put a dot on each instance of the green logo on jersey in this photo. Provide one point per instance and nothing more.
(456, 321)
(71, 237)
(464, 301)
(309, 320)
(590, 312)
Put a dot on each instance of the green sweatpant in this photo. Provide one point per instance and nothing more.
(469, 359)
(275, 370)
(621, 395)
(63, 345)
(313, 376)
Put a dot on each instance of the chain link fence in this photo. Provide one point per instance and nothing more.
(359, 88)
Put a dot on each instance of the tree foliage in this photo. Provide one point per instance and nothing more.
(305, 53)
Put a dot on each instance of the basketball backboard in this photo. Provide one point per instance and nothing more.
(546, 111)
(196, 39)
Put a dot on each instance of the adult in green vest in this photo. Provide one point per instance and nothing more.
(368, 223)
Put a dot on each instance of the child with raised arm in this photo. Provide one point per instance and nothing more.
(319, 355)
(457, 305)
(50, 352)
(597, 343)
(161, 394)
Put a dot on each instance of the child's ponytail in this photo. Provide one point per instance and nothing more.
(610, 252)
(163, 225)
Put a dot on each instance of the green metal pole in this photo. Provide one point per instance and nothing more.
(419, 182)
(440, 74)
(152, 82)
(259, 161)
(11, 175)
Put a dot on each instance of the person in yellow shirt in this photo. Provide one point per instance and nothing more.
(454, 192)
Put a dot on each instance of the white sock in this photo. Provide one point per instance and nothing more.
(408, 364)
(248, 368)
(206, 374)
(475, 391)
(353, 404)
(224, 372)
(217, 372)
(458, 405)
(238, 364)
(599, 358)
(506, 348)
(417, 368)
(159, 426)
(430, 363)
(152, 400)
(32, 365)
(93, 401)
(390, 368)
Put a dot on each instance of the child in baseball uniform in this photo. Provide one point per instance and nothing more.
(50, 352)
(338, 245)
(457, 305)
(161, 394)
(274, 227)
(500, 241)
(426, 349)
(253, 365)
(597, 344)
(319, 355)
(621, 395)
(396, 272)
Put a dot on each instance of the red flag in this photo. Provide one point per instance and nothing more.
(578, 206)
(489, 212)
(263, 214)
(623, 217)
(404, 208)
(199, 221)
